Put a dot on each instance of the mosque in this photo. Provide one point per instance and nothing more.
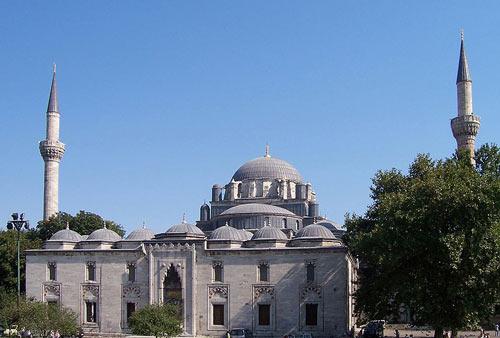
(260, 256)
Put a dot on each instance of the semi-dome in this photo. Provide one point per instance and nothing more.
(315, 231)
(226, 233)
(104, 235)
(330, 225)
(66, 235)
(142, 234)
(257, 208)
(184, 228)
(268, 232)
(267, 167)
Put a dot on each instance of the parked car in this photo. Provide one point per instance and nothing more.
(374, 329)
(305, 335)
(239, 333)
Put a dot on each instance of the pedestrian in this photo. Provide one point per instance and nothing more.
(497, 328)
(52, 334)
(57, 334)
(396, 333)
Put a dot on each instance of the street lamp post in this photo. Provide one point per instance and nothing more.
(18, 222)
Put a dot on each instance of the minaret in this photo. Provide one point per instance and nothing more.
(52, 151)
(466, 125)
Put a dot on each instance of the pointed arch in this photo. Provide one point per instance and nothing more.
(172, 286)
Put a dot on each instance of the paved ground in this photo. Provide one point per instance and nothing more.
(389, 332)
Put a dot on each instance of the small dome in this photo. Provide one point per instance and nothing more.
(104, 235)
(184, 228)
(227, 233)
(257, 208)
(142, 234)
(268, 232)
(267, 167)
(245, 235)
(315, 231)
(66, 235)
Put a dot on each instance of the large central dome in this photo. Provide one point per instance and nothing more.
(267, 167)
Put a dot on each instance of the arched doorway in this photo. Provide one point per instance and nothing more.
(172, 288)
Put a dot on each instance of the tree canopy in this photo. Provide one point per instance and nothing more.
(430, 241)
(159, 320)
(39, 317)
(83, 222)
(8, 254)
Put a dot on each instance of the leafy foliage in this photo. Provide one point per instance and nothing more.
(39, 317)
(8, 253)
(431, 241)
(83, 222)
(156, 320)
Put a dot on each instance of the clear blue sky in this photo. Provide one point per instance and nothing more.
(162, 99)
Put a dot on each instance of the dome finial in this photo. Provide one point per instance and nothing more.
(227, 224)
(54, 67)
(67, 225)
(144, 224)
(462, 34)
(267, 151)
(104, 224)
(184, 218)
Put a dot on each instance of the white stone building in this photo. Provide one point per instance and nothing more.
(260, 258)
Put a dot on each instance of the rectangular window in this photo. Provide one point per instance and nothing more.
(131, 273)
(52, 271)
(91, 271)
(52, 303)
(312, 314)
(218, 314)
(90, 312)
(218, 272)
(310, 272)
(264, 272)
(264, 314)
(130, 310)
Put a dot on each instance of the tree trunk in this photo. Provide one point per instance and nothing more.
(438, 332)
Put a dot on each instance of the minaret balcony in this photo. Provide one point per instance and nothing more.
(51, 150)
(465, 125)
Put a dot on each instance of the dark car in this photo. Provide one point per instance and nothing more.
(239, 333)
(374, 329)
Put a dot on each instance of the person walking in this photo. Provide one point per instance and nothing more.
(396, 333)
(497, 328)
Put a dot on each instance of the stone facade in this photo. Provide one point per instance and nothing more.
(240, 290)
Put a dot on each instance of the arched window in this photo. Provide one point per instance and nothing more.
(172, 287)
(264, 272)
(239, 190)
(218, 272)
(283, 223)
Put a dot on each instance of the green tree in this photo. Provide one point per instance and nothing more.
(39, 317)
(156, 320)
(8, 254)
(431, 240)
(83, 222)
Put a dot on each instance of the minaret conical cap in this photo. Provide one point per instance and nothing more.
(463, 66)
(53, 104)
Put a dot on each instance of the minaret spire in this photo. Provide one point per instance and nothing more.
(52, 151)
(53, 105)
(466, 125)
